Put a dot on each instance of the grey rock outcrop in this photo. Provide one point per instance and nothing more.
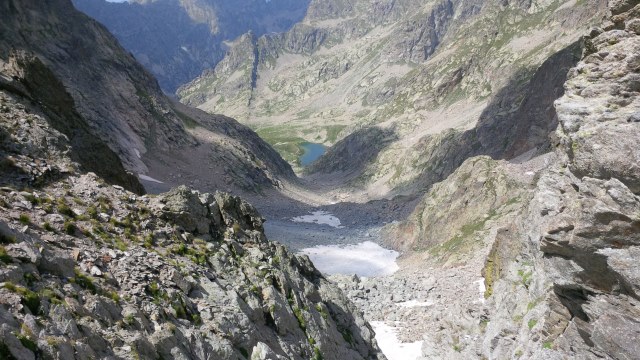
(559, 272)
(183, 274)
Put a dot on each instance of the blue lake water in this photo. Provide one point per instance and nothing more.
(312, 152)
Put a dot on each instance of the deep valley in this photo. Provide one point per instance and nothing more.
(323, 179)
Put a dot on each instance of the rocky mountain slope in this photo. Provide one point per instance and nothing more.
(423, 72)
(122, 103)
(555, 238)
(179, 39)
(89, 270)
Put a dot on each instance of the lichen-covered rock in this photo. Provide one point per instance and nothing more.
(185, 285)
(598, 131)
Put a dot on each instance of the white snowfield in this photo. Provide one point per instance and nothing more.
(321, 218)
(365, 259)
(481, 290)
(393, 349)
(414, 303)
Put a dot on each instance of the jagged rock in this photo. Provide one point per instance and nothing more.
(13, 345)
(184, 208)
(262, 352)
(24, 251)
(57, 262)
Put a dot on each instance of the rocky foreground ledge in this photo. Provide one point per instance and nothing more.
(92, 271)
(89, 270)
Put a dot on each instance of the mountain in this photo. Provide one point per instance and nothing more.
(122, 104)
(178, 39)
(416, 71)
(555, 238)
(90, 269)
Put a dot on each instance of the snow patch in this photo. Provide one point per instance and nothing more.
(365, 259)
(481, 289)
(414, 303)
(320, 218)
(391, 347)
(137, 153)
(149, 178)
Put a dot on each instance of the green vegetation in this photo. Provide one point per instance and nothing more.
(347, 335)
(28, 343)
(317, 354)
(48, 294)
(64, 209)
(30, 299)
(491, 272)
(92, 212)
(284, 141)
(32, 199)
(460, 241)
(333, 131)
(322, 311)
(525, 277)
(24, 219)
(85, 282)
(4, 257)
(483, 324)
(532, 323)
(547, 345)
(47, 226)
(69, 227)
(300, 316)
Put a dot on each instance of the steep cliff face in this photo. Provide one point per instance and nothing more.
(554, 238)
(26, 76)
(90, 270)
(192, 32)
(120, 102)
(427, 71)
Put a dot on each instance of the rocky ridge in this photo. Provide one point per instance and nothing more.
(90, 270)
(558, 266)
(426, 72)
(193, 32)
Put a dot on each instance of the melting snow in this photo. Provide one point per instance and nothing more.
(393, 349)
(414, 303)
(364, 259)
(149, 178)
(481, 289)
(319, 217)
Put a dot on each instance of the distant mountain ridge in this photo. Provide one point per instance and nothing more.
(178, 39)
(122, 104)
(420, 71)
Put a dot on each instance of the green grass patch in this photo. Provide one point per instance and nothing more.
(4, 257)
(30, 299)
(24, 219)
(284, 141)
(85, 282)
